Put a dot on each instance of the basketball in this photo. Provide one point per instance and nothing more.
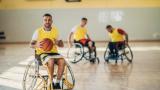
(47, 44)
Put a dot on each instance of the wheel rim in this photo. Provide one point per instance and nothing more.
(76, 53)
(128, 53)
(68, 78)
(106, 53)
(29, 78)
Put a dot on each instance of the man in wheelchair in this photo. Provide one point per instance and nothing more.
(51, 57)
(118, 39)
(79, 33)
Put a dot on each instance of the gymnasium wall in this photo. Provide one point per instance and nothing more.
(140, 18)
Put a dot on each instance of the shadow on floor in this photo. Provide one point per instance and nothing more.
(7, 88)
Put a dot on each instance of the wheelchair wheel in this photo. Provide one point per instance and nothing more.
(106, 55)
(76, 53)
(128, 53)
(68, 80)
(31, 79)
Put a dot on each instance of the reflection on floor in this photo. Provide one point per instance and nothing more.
(143, 74)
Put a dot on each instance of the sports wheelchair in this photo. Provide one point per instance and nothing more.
(79, 52)
(124, 52)
(36, 77)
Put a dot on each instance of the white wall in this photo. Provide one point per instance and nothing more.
(140, 23)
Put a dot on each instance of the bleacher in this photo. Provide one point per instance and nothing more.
(2, 35)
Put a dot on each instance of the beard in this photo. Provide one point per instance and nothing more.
(47, 25)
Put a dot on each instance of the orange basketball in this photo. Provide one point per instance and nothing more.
(47, 44)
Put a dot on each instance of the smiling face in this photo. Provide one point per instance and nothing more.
(47, 21)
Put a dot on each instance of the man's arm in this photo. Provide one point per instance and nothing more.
(123, 33)
(126, 37)
(70, 39)
(88, 37)
(70, 35)
(33, 43)
(59, 43)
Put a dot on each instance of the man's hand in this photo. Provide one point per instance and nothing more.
(126, 42)
(40, 44)
(70, 44)
(33, 44)
(60, 43)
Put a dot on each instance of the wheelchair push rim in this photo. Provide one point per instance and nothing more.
(75, 53)
(128, 53)
(32, 76)
(68, 80)
(106, 53)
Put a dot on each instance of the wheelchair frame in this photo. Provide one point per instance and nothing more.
(83, 54)
(121, 56)
(44, 78)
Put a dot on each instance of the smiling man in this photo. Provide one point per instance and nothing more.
(51, 57)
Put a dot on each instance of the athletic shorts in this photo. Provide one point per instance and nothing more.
(45, 57)
(84, 42)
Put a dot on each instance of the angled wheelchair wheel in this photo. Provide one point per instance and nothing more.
(76, 53)
(68, 80)
(106, 55)
(128, 53)
(31, 79)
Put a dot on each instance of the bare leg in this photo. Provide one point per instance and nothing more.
(91, 46)
(61, 65)
(50, 65)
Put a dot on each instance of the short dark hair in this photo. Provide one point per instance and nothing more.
(47, 14)
(84, 18)
(108, 26)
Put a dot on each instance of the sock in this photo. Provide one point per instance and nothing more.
(57, 81)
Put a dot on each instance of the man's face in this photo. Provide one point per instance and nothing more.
(47, 21)
(83, 22)
(109, 30)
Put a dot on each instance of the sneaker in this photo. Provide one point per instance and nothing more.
(57, 86)
(92, 60)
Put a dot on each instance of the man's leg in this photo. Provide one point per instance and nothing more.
(50, 66)
(91, 45)
(117, 44)
(111, 47)
(92, 48)
(61, 65)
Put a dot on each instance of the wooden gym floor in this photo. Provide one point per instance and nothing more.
(143, 74)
